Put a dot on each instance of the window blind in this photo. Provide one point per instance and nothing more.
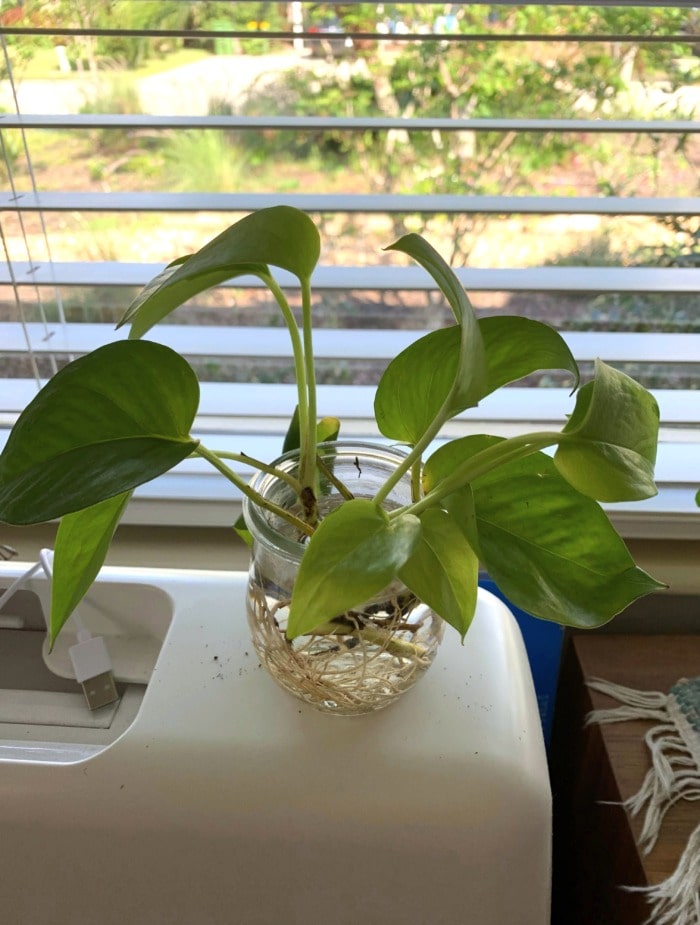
(562, 184)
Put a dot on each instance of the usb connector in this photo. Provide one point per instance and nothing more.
(93, 670)
(91, 662)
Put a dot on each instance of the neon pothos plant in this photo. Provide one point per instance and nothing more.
(121, 416)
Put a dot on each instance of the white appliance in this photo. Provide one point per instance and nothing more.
(209, 795)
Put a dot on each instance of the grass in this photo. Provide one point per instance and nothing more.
(200, 161)
(44, 65)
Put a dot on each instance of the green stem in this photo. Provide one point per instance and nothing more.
(306, 418)
(473, 468)
(258, 499)
(328, 473)
(416, 487)
(280, 474)
(307, 460)
(413, 457)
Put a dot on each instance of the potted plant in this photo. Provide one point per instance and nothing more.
(360, 553)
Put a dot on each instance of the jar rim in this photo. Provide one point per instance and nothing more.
(254, 516)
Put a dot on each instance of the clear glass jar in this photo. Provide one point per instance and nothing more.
(384, 645)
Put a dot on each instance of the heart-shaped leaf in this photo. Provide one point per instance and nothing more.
(280, 236)
(355, 552)
(609, 450)
(108, 422)
(431, 381)
(524, 515)
(416, 383)
(517, 347)
(443, 570)
(81, 546)
(551, 550)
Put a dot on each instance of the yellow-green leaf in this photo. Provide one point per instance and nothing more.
(355, 552)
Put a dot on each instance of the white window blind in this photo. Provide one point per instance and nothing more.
(561, 181)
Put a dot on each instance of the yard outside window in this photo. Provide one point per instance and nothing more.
(550, 152)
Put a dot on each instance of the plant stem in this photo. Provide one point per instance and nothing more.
(503, 452)
(416, 470)
(307, 461)
(328, 473)
(374, 635)
(306, 420)
(240, 483)
(283, 476)
(413, 457)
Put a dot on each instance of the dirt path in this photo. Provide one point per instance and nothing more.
(185, 90)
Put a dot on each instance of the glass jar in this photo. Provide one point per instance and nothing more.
(381, 647)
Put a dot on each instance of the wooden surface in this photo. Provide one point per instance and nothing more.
(595, 842)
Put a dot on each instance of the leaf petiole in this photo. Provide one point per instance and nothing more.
(241, 484)
(481, 463)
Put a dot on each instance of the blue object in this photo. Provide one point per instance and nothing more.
(543, 641)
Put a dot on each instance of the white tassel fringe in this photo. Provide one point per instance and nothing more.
(676, 901)
(674, 748)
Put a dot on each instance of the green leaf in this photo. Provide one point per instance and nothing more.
(551, 550)
(172, 287)
(425, 383)
(80, 549)
(517, 347)
(281, 236)
(292, 439)
(460, 505)
(425, 254)
(417, 382)
(243, 531)
(327, 429)
(415, 385)
(610, 447)
(355, 552)
(104, 424)
(443, 570)
(451, 455)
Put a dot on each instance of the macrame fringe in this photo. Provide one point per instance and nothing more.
(636, 704)
(676, 901)
(674, 775)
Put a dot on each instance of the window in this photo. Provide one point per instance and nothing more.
(550, 152)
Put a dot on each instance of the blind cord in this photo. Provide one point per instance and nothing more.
(48, 333)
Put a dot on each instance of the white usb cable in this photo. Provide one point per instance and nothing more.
(89, 656)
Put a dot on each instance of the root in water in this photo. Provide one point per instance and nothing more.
(355, 663)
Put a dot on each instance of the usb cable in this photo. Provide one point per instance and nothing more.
(89, 656)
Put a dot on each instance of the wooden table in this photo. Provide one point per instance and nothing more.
(595, 847)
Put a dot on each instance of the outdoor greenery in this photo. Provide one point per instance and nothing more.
(478, 79)
(438, 78)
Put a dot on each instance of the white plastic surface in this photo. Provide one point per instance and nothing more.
(133, 619)
(228, 802)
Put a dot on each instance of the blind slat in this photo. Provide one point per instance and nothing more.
(340, 123)
(353, 203)
(383, 278)
(329, 343)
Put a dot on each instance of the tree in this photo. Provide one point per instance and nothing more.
(482, 79)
